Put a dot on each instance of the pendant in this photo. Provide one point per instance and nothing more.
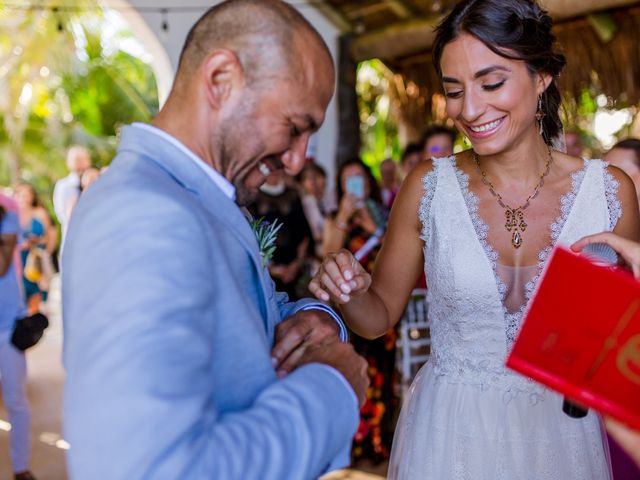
(515, 222)
(516, 239)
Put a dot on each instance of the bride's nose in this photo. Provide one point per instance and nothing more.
(473, 106)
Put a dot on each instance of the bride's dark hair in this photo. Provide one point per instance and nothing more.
(514, 29)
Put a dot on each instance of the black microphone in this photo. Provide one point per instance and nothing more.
(600, 254)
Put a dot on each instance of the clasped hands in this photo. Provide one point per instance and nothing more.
(312, 336)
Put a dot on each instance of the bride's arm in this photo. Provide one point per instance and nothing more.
(371, 306)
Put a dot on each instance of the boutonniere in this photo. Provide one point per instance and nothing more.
(266, 234)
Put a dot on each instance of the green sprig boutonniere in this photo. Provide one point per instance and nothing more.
(266, 234)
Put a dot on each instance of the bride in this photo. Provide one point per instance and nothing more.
(482, 224)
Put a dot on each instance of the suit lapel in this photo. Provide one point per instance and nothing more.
(176, 163)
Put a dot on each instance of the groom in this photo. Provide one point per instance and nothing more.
(182, 361)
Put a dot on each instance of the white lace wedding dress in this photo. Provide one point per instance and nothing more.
(466, 415)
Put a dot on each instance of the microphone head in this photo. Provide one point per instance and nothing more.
(600, 253)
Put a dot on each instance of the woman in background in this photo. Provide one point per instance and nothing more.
(37, 233)
(358, 226)
(13, 366)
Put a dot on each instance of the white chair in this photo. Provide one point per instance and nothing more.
(413, 346)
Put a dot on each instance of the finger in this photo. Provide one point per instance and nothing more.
(290, 341)
(283, 327)
(347, 264)
(337, 294)
(317, 291)
(334, 272)
(360, 282)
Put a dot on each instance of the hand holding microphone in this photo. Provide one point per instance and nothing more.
(628, 250)
(601, 254)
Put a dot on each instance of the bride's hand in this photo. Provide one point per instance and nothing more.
(340, 278)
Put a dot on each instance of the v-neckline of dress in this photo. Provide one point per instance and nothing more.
(481, 229)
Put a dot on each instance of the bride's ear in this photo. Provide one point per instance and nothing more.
(543, 82)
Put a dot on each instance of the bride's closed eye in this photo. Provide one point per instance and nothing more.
(494, 86)
(453, 94)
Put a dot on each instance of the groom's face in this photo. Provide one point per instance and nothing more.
(271, 129)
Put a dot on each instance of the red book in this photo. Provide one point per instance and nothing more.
(581, 335)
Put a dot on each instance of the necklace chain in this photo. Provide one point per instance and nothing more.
(515, 223)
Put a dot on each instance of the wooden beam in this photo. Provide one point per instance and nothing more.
(400, 8)
(333, 15)
(412, 36)
(397, 40)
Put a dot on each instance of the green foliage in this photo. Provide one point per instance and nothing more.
(378, 128)
(65, 82)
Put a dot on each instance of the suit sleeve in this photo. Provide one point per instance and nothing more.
(144, 303)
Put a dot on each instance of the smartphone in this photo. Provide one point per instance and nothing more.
(355, 185)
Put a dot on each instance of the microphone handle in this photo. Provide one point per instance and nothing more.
(573, 410)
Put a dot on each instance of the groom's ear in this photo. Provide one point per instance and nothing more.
(223, 76)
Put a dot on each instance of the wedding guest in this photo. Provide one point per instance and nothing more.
(182, 361)
(626, 155)
(359, 221)
(89, 176)
(389, 182)
(438, 141)
(37, 233)
(411, 157)
(573, 143)
(313, 180)
(277, 202)
(482, 224)
(67, 189)
(13, 368)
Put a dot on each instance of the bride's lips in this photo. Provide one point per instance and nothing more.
(484, 130)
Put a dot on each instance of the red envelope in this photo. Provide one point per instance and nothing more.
(581, 335)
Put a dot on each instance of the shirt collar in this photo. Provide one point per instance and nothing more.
(222, 183)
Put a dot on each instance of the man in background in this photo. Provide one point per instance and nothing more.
(67, 189)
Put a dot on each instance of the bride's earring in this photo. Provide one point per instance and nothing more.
(540, 115)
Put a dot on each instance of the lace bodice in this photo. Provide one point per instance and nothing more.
(472, 329)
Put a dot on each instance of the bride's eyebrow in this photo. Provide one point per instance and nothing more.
(479, 73)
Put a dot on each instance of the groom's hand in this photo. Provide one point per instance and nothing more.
(297, 334)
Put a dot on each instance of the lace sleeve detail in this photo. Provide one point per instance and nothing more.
(429, 183)
(611, 186)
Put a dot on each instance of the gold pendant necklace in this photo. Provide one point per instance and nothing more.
(515, 223)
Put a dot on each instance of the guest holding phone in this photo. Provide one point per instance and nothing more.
(359, 225)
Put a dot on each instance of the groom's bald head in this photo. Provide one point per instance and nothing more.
(264, 34)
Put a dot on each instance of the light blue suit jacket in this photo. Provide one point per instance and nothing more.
(169, 320)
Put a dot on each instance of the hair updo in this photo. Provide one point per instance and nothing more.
(514, 29)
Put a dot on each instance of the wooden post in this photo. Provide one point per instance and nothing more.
(349, 115)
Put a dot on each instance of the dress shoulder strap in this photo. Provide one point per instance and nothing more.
(443, 166)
